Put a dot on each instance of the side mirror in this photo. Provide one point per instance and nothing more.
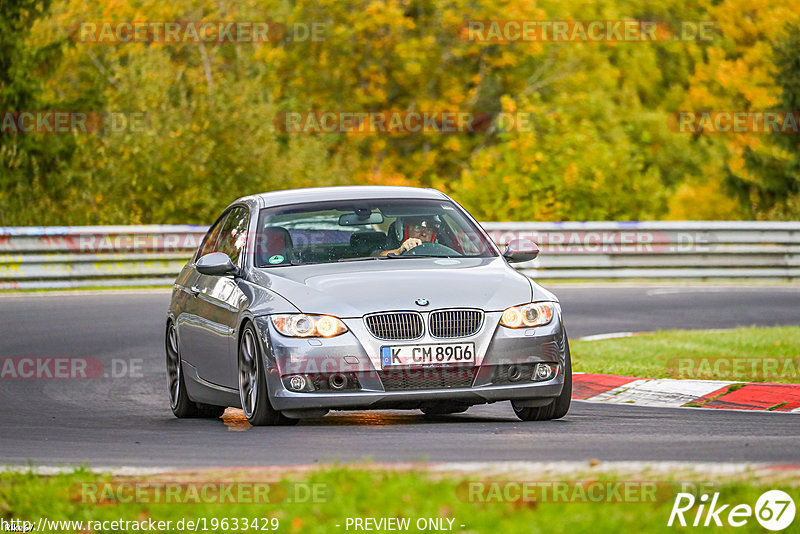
(520, 250)
(216, 264)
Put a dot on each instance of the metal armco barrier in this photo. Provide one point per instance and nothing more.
(78, 256)
(658, 249)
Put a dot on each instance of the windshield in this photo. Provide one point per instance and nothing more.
(327, 232)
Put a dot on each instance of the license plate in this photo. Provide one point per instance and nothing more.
(407, 355)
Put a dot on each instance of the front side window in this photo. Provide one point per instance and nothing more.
(234, 234)
(326, 232)
(209, 243)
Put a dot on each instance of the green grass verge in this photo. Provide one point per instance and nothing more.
(743, 354)
(360, 493)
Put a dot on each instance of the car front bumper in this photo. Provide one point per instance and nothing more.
(356, 353)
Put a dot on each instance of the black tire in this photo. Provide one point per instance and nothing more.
(444, 409)
(179, 401)
(560, 406)
(253, 392)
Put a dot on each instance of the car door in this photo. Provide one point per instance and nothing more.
(218, 302)
(193, 325)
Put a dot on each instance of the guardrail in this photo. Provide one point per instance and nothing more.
(659, 249)
(79, 256)
(58, 257)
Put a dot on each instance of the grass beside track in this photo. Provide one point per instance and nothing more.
(343, 493)
(742, 354)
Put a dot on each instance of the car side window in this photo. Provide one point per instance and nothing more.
(234, 234)
(210, 242)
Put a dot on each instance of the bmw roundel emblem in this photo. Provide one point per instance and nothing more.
(421, 302)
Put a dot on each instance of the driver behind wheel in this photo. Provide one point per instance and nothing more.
(416, 230)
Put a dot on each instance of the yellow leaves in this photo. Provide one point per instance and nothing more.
(377, 144)
(273, 55)
(413, 68)
(453, 96)
(452, 18)
(453, 144)
(508, 104)
(702, 201)
(571, 174)
(388, 178)
(506, 59)
(736, 162)
(467, 181)
(373, 8)
(526, 142)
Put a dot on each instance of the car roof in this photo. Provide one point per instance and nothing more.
(347, 192)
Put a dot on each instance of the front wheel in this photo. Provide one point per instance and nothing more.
(560, 406)
(182, 406)
(253, 384)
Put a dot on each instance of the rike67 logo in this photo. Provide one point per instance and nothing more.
(774, 510)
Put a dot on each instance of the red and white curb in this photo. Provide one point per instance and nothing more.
(668, 392)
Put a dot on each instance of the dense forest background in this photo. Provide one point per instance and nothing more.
(601, 147)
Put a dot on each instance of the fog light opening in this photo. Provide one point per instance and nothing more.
(337, 381)
(514, 373)
(297, 382)
(545, 371)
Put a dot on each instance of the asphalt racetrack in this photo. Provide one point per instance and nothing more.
(126, 421)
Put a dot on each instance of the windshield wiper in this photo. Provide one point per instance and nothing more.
(398, 256)
(360, 258)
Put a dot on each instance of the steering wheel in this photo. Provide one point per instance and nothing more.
(430, 249)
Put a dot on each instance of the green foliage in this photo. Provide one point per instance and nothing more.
(599, 146)
(776, 194)
(29, 167)
(497, 504)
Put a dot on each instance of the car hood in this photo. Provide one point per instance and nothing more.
(353, 289)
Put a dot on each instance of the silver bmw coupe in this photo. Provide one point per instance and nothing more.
(350, 298)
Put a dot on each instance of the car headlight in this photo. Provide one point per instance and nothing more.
(304, 325)
(528, 315)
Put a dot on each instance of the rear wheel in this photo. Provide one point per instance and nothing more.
(179, 401)
(253, 384)
(560, 405)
